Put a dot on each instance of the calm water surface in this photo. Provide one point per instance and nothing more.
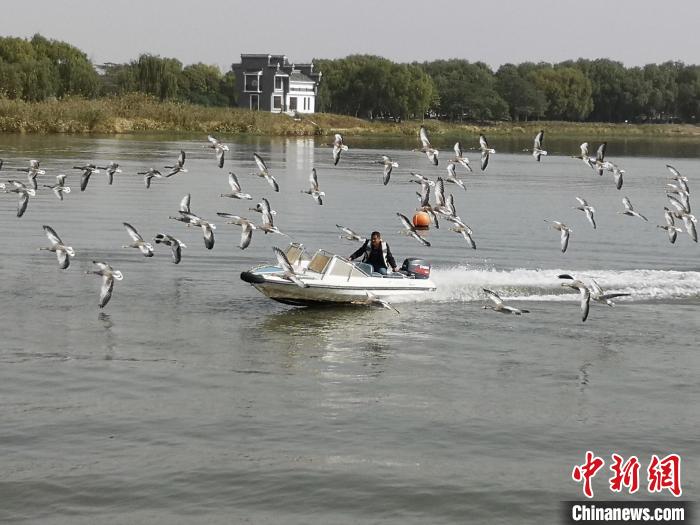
(193, 399)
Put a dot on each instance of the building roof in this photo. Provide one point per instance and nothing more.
(298, 76)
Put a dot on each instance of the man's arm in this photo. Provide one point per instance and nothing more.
(390, 258)
(359, 251)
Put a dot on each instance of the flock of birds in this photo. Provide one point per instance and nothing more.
(441, 206)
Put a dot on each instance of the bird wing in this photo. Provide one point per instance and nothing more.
(440, 192)
(220, 157)
(493, 296)
(208, 231)
(52, 235)
(600, 154)
(22, 203)
(233, 182)
(425, 194)
(673, 170)
(419, 238)
(564, 239)
(106, 290)
(627, 204)
(272, 182)
(585, 302)
(484, 159)
(387, 172)
(424, 137)
(282, 260)
(313, 179)
(451, 170)
(181, 158)
(261, 163)
(213, 141)
(132, 232)
(458, 150)
(584, 150)
(581, 201)
(538, 140)
(63, 259)
(404, 220)
(185, 203)
(246, 235)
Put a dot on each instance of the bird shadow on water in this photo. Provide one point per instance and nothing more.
(109, 337)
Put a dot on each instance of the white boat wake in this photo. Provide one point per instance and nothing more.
(463, 284)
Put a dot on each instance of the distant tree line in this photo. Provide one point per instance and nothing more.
(369, 86)
(599, 90)
(39, 69)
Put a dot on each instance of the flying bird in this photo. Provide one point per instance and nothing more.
(388, 166)
(314, 190)
(145, 247)
(537, 150)
(288, 270)
(585, 295)
(219, 148)
(23, 193)
(460, 158)
(565, 233)
(426, 148)
(109, 275)
(246, 225)
(595, 291)
(350, 235)
(88, 170)
(236, 192)
(500, 306)
(60, 187)
(179, 165)
(452, 176)
(338, 148)
(111, 169)
(63, 252)
(629, 210)
(486, 152)
(263, 172)
(587, 209)
(410, 230)
(150, 174)
(175, 245)
(670, 226)
(32, 171)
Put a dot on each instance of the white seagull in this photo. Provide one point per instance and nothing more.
(587, 209)
(63, 252)
(108, 275)
(23, 192)
(236, 192)
(452, 176)
(500, 306)
(350, 235)
(246, 225)
(426, 148)
(410, 230)
(287, 268)
(595, 291)
(388, 166)
(179, 165)
(314, 190)
(565, 233)
(338, 148)
(175, 245)
(219, 148)
(88, 170)
(60, 187)
(460, 158)
(585, 294)
(264, 172)
(32, 171)
(537, 150)
(111, 169)
(145, 247)
(629, 210)
(486, 151)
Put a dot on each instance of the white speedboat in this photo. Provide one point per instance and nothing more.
(329, 278)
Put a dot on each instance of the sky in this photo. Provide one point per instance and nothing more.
(634, 32)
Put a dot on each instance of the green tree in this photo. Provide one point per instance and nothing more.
(567, 90)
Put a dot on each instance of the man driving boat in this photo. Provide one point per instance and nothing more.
(377, 253)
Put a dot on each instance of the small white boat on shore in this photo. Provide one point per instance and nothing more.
(327, 278)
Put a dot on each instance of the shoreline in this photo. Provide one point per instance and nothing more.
(137, 113)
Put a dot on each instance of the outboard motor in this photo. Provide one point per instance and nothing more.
(417, 268)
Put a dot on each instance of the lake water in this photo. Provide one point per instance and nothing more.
(191, 398)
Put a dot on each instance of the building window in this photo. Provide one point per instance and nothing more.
(252, 82)
(277, 102)
(255, 102)
(279, 83)
(292, 103)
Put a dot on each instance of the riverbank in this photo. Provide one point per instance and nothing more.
(140, 113)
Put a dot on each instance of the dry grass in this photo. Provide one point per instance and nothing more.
(137, 112)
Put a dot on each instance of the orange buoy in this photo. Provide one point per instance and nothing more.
(421, 221)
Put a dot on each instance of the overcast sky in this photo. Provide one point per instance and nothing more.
(635, 32)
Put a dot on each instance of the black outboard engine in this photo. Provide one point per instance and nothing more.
(416, 268)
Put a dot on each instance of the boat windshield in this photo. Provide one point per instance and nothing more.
(320, 261)
(295, 253)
